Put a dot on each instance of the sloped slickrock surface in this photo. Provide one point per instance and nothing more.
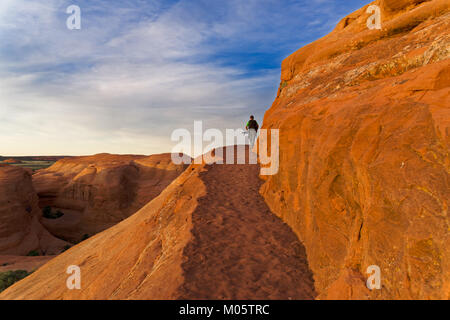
(96, 192)
(364, 153)
(208, 235)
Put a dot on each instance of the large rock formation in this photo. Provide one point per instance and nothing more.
(96, 192)
(20, 229)
(206, 236)
(364, 152)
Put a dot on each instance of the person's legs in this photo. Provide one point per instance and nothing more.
(252, 136)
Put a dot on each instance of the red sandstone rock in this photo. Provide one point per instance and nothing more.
(96, 192)
(206, 236)
(20, 229)
(364, 153)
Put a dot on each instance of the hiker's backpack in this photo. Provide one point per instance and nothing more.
(252, 124)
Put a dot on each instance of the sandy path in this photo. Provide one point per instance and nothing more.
(240, 250)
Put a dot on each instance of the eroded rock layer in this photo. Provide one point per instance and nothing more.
(20, 229)
(96, 192)
(364, 153)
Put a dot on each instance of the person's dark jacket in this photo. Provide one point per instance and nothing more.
(252, 124)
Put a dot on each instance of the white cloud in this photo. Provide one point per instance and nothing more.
(132, 74)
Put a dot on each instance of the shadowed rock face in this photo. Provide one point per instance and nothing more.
(20, 229)
(96, 192)
(364, 153)
(209, 234)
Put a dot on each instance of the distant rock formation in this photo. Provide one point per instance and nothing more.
(12, 161)
(20, 229)
(364, 152)
(96, 192)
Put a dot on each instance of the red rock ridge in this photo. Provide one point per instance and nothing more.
(206, 236)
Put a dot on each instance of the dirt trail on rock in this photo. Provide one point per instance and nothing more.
(239, 249)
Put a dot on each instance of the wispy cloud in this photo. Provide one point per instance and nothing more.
(139, 69)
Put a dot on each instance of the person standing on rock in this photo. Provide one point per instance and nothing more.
(252, 127)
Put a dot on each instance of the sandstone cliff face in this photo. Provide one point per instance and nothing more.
(20, 229)
(364, 153)
(96, 192)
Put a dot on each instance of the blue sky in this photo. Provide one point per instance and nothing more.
(139, 69)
